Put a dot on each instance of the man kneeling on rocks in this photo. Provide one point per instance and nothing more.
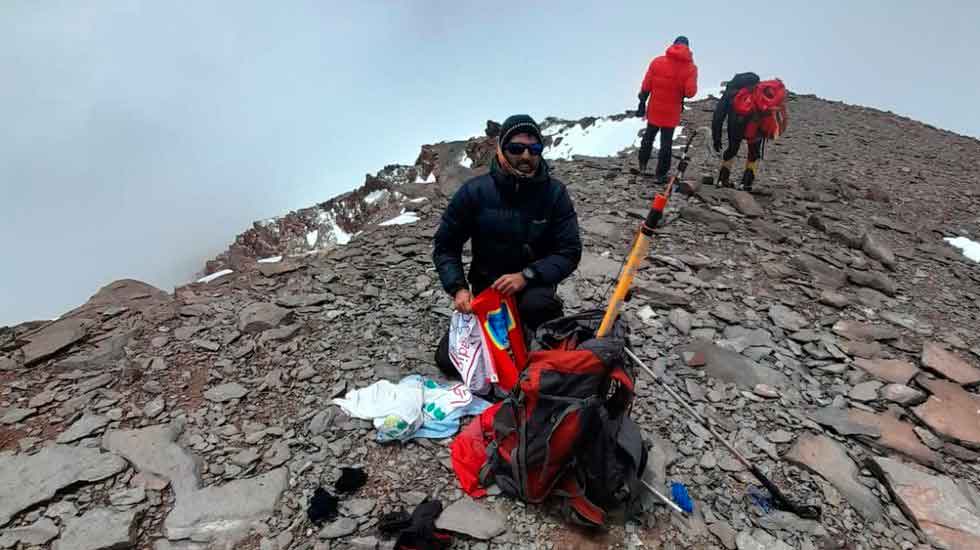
(524, 232)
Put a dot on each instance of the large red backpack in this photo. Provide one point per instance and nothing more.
(763, 106)
(565, 428)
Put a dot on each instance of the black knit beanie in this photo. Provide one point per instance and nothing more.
(682, 40)
(519, 124)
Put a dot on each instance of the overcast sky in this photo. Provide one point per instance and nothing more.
(140, 137)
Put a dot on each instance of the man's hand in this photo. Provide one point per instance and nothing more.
(641, 109)
(510, 284)
(461, 301)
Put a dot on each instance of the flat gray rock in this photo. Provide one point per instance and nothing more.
(842, 423)
(226, 392)
(226, 511)
(865, 391)
(946, 510)
(336, 529)
(937, 358)
(469, 518)
(26, 480)
(758, 539)
(358, 507)
(827, 458)
(14, 415)
(261, 316)
(54, 338)
(864, 332)
(786, 319)
(99, 529)
(729, 366)
(681, 320)
(154, 450)
(36, 534)
(83, 427)
(902, 394)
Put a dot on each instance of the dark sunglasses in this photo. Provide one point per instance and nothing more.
(519, 148)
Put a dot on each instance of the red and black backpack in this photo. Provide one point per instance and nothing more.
(565, 429)
(763, 108)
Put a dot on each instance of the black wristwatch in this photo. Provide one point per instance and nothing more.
(529, 273)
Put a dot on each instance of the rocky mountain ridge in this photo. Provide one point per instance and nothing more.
(823, 324)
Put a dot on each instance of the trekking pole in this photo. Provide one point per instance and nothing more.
(780, 500)
(664, 498)
(641, 244)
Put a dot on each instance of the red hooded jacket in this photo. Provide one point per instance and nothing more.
(669, 79)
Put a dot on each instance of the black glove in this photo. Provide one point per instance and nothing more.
(641, 110)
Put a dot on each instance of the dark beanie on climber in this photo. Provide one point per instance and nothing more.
(682, 40)
(519, 124)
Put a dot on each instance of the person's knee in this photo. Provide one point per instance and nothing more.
(539, 305)
(443, 362)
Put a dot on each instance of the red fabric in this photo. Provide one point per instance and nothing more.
(669, 79)
(765, 105)
(469, 452)
(510, 356)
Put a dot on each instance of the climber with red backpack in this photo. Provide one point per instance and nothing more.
(755, 111)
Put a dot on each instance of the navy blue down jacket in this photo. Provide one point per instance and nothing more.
(513, 223)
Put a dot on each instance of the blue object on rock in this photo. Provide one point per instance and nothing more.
(680, 496)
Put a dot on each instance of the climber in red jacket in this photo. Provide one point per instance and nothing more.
(669, 79)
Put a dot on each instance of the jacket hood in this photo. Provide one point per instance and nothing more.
(680, 52)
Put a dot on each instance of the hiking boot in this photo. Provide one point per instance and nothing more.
(748, 177)
(723, 176)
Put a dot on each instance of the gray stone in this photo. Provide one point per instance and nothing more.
(594, 266)
(469, 518)
(864, 332)
(780, 436)
(54, 338)
(759, 540)
(946, 510)
(36, 534)
(99, 529)
(128, 497)
(41, 399)
(732, 367)
(724, 533)
(15, 414)
(364, 543)
(865, 391)
(842, 423)
(834, 299)
(878, 250)
(226, 511)
(261, 316)
(873, 279)
(245, 457)
(154, 450)
(278, 454)
(786, 319)
(681, 320)
(902, 394)
(358, 507)
(153, 408)
(206, 345)
(340, 528)
(26, 480)
(827, 458)
(83, 427)
(226, 392)
(322, 421)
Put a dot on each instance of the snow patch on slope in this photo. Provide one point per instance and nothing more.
(970, 249)
(406, 217)
(215, 275)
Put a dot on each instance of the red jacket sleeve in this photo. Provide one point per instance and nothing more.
(691, 84)
(647, 85)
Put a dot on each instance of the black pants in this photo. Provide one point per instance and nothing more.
(735, 136)
(535, 305)
(666, 148)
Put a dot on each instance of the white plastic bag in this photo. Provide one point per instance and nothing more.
(469, 353)
(395, 409)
